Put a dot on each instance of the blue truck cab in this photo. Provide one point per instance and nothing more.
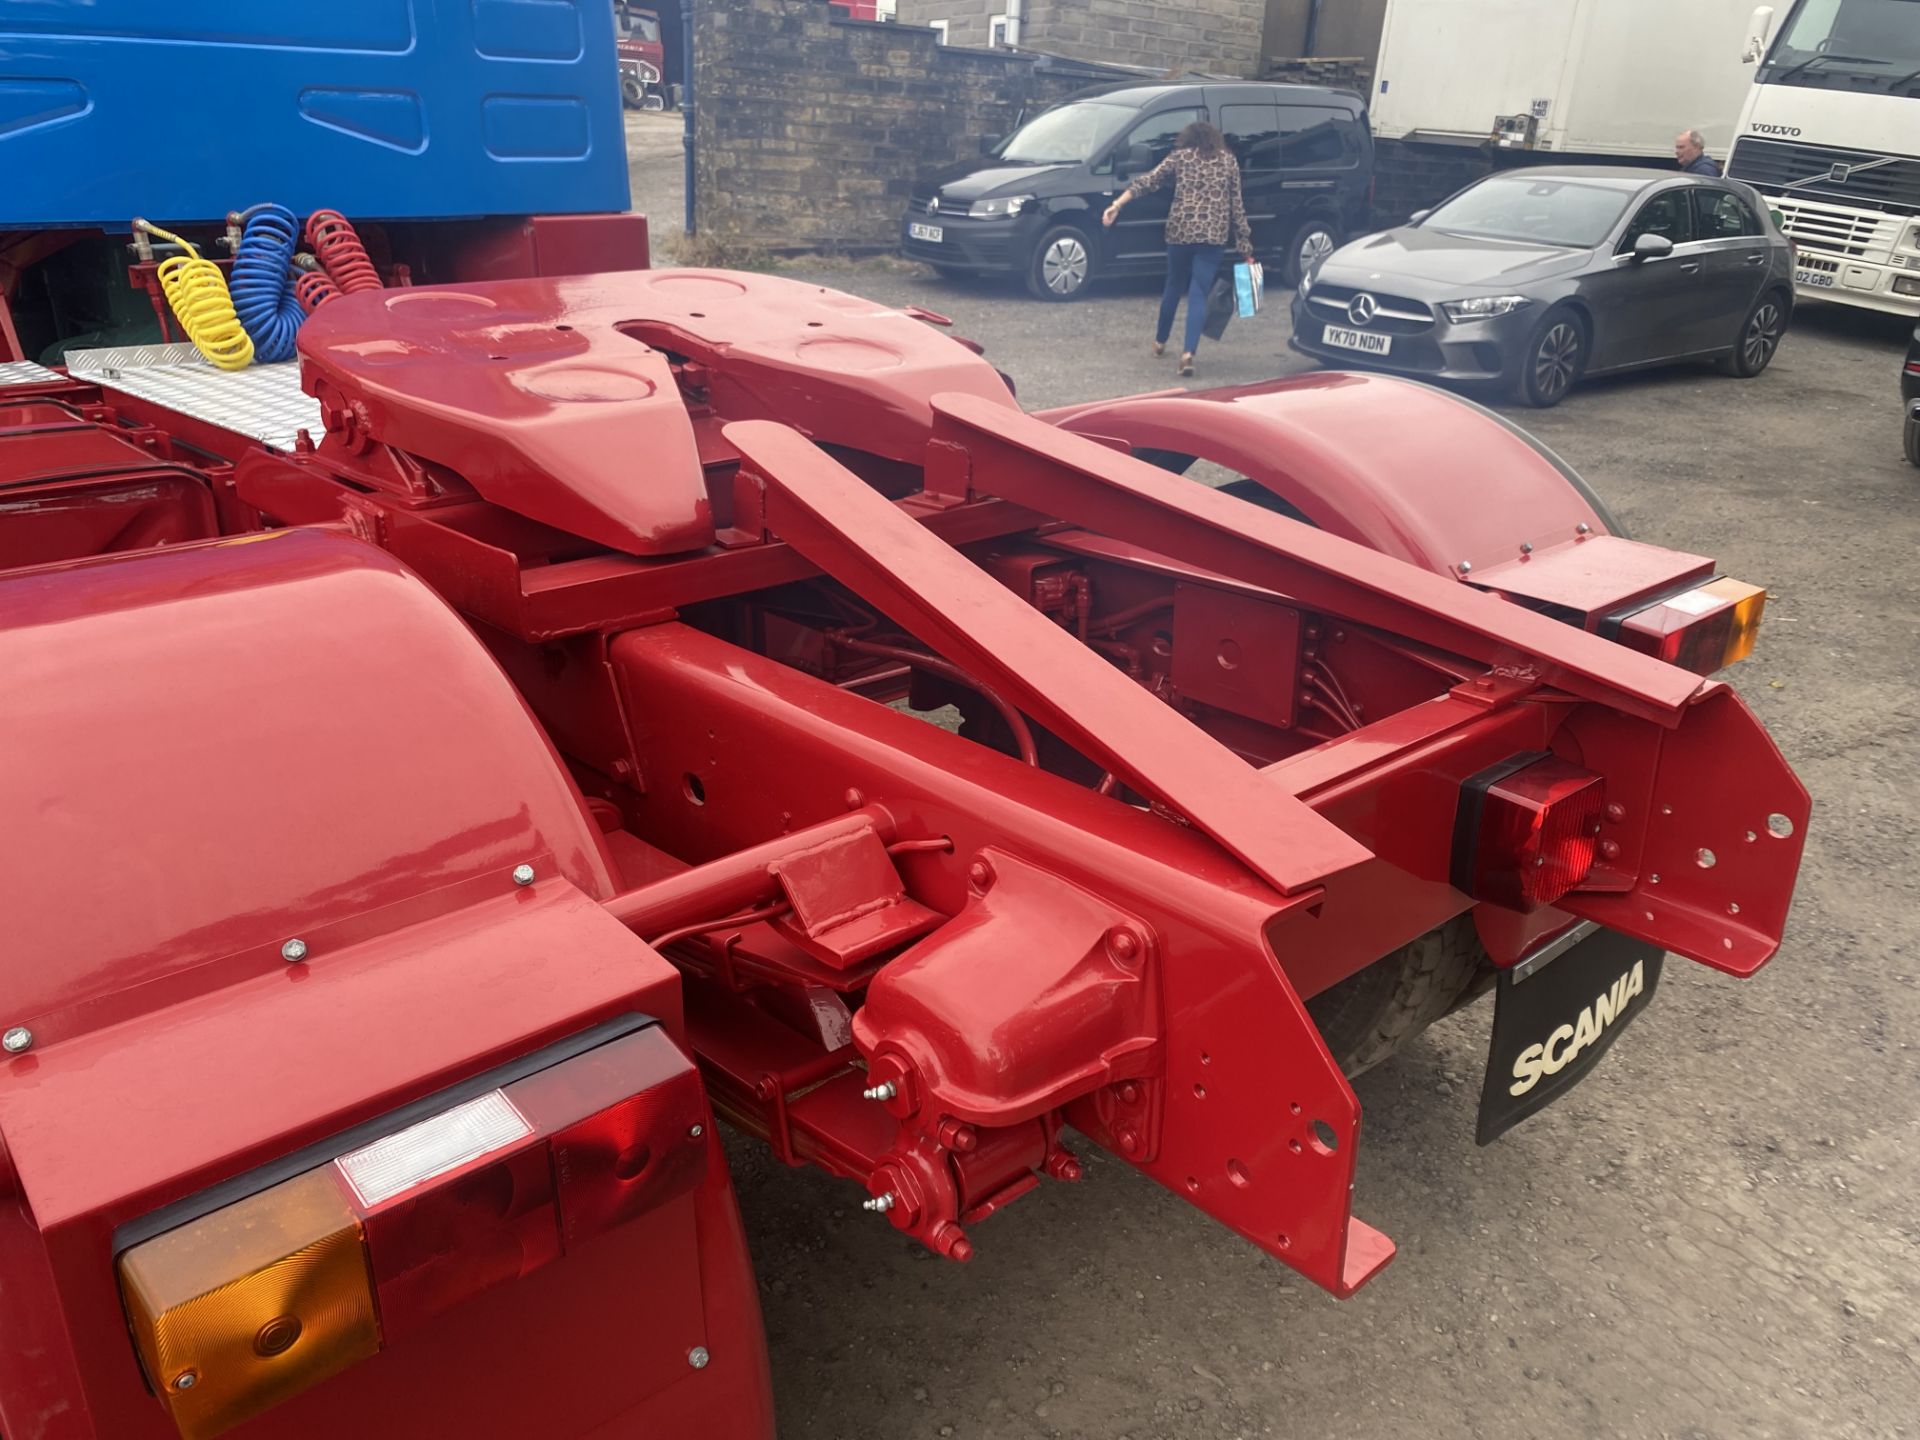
(478, 114)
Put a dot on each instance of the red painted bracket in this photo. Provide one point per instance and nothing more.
(848, 902)
(1724, 823)
(1258, 1127)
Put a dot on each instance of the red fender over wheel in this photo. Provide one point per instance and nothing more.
(1404, 468)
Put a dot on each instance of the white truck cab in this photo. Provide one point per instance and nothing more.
(1830, 135)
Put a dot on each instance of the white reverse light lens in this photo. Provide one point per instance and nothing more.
(1483, 307)
(399, 1161)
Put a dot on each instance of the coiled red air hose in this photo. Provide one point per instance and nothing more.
(332, 238)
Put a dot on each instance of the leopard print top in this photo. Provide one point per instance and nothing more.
(1208, 208)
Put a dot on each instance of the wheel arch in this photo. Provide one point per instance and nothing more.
(253, 739)
(1584, 312)
(1446, 481)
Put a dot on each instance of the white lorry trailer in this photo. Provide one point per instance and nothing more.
(1551, 79)
(1831, 136)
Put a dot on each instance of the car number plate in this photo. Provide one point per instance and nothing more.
(920, 231)
(1552, 1025)
(1813, 277)
(1357, 340)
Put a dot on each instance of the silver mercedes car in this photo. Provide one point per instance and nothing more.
(1535, 278)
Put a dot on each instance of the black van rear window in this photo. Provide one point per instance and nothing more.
(1292, 137)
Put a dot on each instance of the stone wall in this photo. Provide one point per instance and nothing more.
(809, 129)
(1172, 36)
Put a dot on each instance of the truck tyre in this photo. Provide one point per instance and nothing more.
(1759, 337)
(1062, 265)
(632, 93)
(1371, 1014)
(1913, 435)
(1312, 242)
(1555, 356)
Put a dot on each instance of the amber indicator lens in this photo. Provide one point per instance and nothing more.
(252, 1304)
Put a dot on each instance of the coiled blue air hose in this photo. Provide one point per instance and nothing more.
(262, 281)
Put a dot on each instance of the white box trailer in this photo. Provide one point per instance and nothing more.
(1613, 79)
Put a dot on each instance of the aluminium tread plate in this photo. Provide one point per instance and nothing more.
(25, 372)
(262, 402)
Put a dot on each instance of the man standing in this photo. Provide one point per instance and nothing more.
(1690, 150)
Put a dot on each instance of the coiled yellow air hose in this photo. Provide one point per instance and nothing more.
(197, 291)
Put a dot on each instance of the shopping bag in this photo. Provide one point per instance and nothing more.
(1249, 283)
(1220, 307)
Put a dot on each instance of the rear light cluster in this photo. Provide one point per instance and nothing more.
(1527, 831)
(248, 1304)
(1703, 629)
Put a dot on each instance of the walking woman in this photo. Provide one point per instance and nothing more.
(1208, 214)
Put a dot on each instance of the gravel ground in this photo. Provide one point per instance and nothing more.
(1713, 1236)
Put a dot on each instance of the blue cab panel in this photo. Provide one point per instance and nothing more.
(182, 110)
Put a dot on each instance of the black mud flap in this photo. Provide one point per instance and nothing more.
(1555, 1014)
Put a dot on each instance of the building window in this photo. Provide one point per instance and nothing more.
(996, 30)
(939, 28)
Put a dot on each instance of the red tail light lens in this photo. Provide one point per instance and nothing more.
(624, 1123)
(1527, 831)
(571, 1151)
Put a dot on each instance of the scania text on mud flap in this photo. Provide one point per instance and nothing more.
(462, 771)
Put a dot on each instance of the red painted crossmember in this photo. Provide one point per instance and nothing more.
(863, 540)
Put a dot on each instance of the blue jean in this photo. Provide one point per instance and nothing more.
(1190, 268)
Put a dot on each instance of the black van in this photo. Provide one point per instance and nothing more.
(1031, 205)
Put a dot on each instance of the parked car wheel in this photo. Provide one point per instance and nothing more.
(1371, 1014)
(1312, 242)
(1062, 265)
(1556, 354)
(1913, 436)
(1760, 336)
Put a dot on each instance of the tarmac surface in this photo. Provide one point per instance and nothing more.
(1715, 1235)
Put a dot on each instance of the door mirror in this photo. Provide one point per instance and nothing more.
(1652, 247)
(1418, 217)
(1759, 30)
(1134, 160)
(990, 143)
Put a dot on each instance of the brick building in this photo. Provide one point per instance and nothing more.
(1218, 36)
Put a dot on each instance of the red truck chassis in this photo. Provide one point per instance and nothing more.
(563, 694)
